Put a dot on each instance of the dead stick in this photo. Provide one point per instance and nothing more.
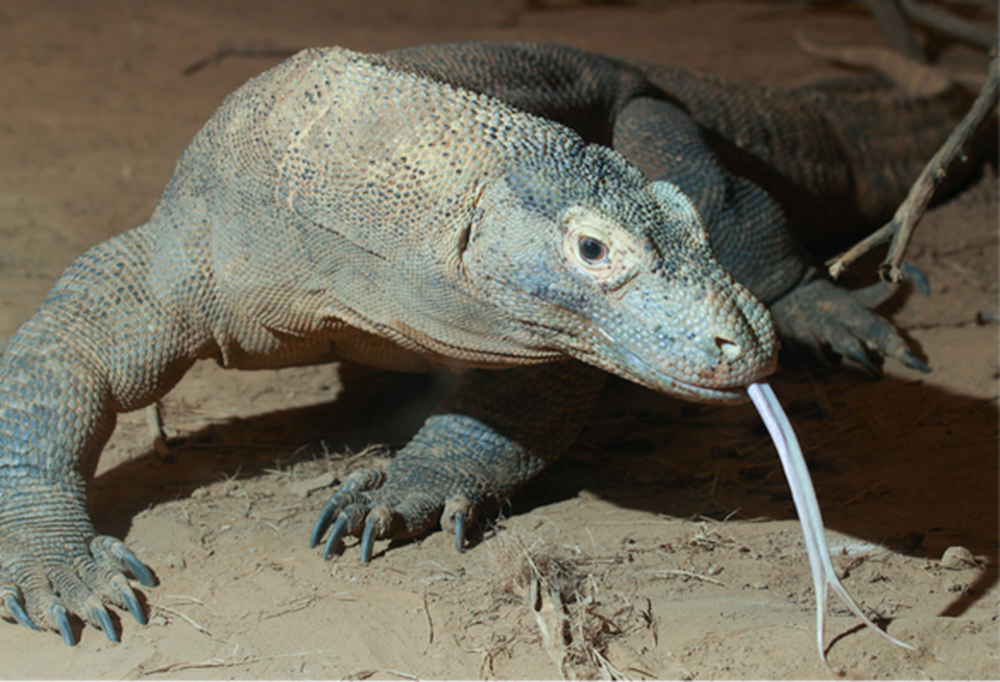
(900, 228)
(947, 23)
(890, 18)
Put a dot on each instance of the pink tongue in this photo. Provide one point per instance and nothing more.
(824, 576)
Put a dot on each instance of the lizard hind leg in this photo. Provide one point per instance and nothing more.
(499, 430)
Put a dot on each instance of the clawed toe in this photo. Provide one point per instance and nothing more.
(459, 520)
(911, 361)
(336, 536)
(113, 553)
(100, 614)
(322, 523)
(139, 570)
(132, 603)
(368, 539)
(61, 618)
(859, 355)
(17, 612)
(341, 507)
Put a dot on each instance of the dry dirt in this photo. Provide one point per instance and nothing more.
(667, 534)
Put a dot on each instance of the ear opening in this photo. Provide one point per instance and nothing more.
(463, 240)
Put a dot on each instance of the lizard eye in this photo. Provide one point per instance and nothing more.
(592, 250)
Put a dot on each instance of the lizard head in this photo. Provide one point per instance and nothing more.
(617, 272)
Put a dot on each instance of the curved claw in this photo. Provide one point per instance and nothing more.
(459, 520)
(58, 613)
(132, 604)
(799, 353)
(917, 276)
(336, 535)
(359, 481)
(859, 356)
(323, 522)
(100, 614)
(368, 539)
(18, 613)
(138, 569)
(910, 360)
(112, 553)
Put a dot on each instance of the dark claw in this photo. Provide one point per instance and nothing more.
(910, 360)
(138, 569)
(19, 614)
(62, 622)
(100, 614)
(133, 605)
(325, 517)
(368, 539)
(459, 532)
(917, 276)
(336, 535)
(860, 357)
(808, 353)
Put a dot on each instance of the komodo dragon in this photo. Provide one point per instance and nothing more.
(366, 208)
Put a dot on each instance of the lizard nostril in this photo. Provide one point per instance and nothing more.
(730, 350)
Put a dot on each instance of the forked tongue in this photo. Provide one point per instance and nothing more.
(824, 576)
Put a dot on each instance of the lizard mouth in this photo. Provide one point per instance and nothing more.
(714, 395)
(634, 368)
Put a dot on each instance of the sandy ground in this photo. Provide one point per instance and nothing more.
(668, 531)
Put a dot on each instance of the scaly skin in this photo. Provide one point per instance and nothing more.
(338, 208)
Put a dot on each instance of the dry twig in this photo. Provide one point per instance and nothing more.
(889, 15)
(915, 78)
(949, 24)
(900, 228)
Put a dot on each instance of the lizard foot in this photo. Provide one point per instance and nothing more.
(455, 469)
(371, 505)
(819, 314)
(44, 579)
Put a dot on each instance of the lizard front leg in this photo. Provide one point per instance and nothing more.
(499, 429)
(100, 344)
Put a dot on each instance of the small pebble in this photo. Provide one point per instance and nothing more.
(958, 558)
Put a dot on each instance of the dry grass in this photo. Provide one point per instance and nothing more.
(556, 599)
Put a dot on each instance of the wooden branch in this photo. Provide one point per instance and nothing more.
(911, 76)
(949, 24)
(890, 18)
(900, 228)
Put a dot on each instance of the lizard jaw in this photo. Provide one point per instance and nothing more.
(711, 395)
(641, 372)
